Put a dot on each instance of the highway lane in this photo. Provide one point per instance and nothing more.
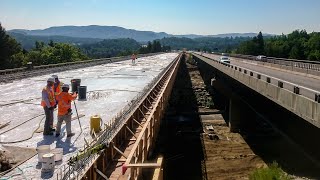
(305, 81)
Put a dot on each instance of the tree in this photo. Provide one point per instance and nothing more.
(39, 45)
(8, 47)
(51, 43)
(149, 47)
(260, 43)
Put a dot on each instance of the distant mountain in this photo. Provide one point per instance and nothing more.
(113, 32)
(28, 41)
(93, 31)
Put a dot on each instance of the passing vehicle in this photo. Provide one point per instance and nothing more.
(261, 58)
(224, 59)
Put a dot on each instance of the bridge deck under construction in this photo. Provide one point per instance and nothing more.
(111, 88)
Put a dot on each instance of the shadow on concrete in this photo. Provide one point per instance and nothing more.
(179, 139)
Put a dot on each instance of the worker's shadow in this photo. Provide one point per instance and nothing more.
(65, 145)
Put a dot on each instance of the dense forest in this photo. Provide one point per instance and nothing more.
(110, 48)
(296, 45)
(216, 44)
(28, 41)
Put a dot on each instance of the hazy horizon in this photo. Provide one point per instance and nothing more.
(203, 17)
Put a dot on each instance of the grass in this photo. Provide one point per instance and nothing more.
(273, 172)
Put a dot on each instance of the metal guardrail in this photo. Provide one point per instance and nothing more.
(295, 88)
(296, 63)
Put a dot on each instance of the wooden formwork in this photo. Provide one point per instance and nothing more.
(127, 153)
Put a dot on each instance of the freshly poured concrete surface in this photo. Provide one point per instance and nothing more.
(110, 87)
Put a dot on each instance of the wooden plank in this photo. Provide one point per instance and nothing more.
(157, 175)
(143, 165)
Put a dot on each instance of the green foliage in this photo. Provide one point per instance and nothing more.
(296, 45)
(273, 172)
(57, 53)
(111, 48)
(13, 56)
(8, 48)
(254, 47)
(154, 47)
(216, 44)
(28, 41)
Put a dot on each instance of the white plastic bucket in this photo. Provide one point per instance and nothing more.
(43, 149)
(58, 153)
(48, 162)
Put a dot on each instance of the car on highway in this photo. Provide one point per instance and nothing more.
(224, 59)
(261, 58)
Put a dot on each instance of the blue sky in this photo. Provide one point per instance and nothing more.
(171, 16)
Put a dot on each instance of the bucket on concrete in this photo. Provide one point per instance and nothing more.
(95, 123)
(43, 149)
(82, 90)
(48, 162)
(58, 153)
(74, 84)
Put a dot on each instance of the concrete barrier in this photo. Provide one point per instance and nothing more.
(272, 91)
(316, 116)
(286, 99)
(253, 83)
(304, 107)
(261, 87)
(246, 79)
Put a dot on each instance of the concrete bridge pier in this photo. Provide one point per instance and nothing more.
(239, 114)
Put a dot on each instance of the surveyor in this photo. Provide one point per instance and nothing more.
(48, 103)
(133, 58)
(64, 109)
(57, 85)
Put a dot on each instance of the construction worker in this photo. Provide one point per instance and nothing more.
(57, 85)
(64, 109)
(48, 103)
(133, 58)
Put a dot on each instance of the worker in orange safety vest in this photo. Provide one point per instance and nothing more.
(57, 85)
(133, 58)
(48, 103)
(64, 110)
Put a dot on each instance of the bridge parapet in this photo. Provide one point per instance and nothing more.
(302, 101)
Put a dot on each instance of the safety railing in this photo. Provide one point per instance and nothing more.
(303, 64)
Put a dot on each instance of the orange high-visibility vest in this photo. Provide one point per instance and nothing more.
(58, 89)
(50, 93)
(64, 102)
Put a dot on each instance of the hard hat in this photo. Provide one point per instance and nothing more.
(65, 86)
(50, 79)
(55, 76)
